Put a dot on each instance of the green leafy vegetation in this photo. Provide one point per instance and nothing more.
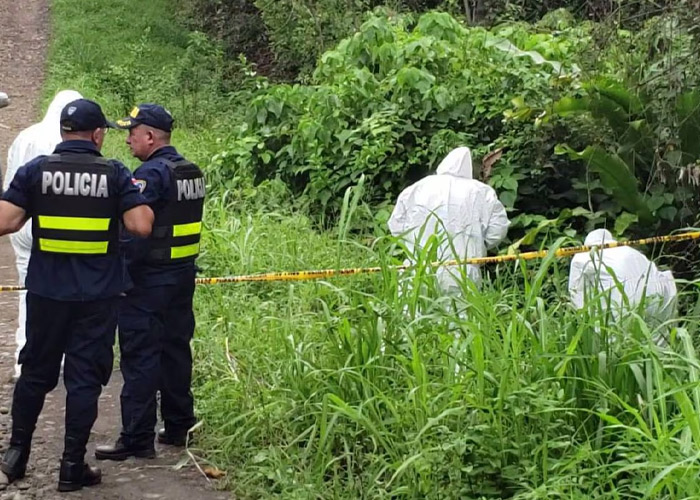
(356, 388)
(285, 38)
(393, 99)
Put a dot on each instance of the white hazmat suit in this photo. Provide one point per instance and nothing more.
(639, 278)
(38, 139)
(465, 214)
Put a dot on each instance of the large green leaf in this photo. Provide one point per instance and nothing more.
(600, 107)
(623, 110)
(508, 47)
(615, 175)
(628, 101)
(688, 107)
(569, 105)
(623, 221)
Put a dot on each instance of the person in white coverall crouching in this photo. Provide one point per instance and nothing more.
(465, 215)
(38, 139)
(596, 275)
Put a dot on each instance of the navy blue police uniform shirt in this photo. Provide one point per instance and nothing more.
(155, 179)
(72, 277)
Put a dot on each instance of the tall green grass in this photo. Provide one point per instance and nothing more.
(354, 388)
(377, 386)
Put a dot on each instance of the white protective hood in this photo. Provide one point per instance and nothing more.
(40, 138)
(36, 140)
(455, 207)
(638, 276)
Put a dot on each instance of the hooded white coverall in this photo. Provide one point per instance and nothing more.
(456, 208)
(639, 277)
(38, 139)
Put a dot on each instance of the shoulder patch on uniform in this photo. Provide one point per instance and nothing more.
(139, 183)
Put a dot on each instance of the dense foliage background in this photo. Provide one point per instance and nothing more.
(285, 37)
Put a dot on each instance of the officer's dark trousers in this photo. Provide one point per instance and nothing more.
(156, 325)
(84, 331)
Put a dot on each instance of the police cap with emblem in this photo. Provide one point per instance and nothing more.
(83, 115)
(153, 115)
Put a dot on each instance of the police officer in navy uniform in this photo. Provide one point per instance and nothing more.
(156, 321)
(76, 199)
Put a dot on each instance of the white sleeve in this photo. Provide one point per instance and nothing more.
(497, 225)
(397, 221)
(11, 166)
(670, 293)
(576, 280)
(16, 157)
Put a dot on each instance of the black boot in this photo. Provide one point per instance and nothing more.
(172, 438)
(75, 475)
(14, 463)
(121, 451)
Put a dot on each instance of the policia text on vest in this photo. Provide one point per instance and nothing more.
(75, 184)
(191, 189)
(178, 227)
(71, 186)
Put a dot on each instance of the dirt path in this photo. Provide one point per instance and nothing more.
(23, 41)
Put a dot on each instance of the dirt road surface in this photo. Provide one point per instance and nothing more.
(24, 32)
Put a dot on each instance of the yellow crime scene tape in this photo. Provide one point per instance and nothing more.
(330, 273)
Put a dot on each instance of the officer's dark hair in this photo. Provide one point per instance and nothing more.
(85, 135)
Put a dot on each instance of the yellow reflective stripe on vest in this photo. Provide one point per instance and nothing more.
(77, 247)
(187, 229)
(73, 223)
(184, 251)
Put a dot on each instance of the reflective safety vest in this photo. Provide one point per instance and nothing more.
(74, 211)
(177, 226)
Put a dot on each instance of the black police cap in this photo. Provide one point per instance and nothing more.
(83, 115)
(153, 115)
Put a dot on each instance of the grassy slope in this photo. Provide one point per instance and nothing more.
(110, 50)
(349, 389)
